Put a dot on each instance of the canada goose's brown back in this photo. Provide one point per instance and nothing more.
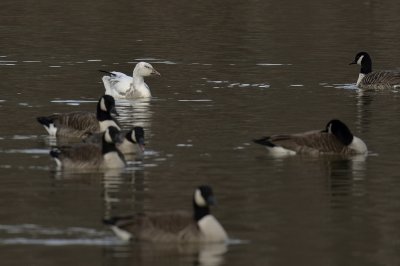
(163, 227)
(78, 121)
(85, 154)
(381, 79)
(314, 142)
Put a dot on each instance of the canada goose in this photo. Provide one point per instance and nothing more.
(377, 79)
(80, 124)
(336, 138)
(119, 85)
(91, 156)
(131, 141)
(199, 226)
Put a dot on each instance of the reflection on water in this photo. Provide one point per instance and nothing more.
(346, 177)
(171, 254)
(135, 113)
(31, 234)
(364, 100)
(123, 194)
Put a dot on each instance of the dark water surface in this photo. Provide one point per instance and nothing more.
(231, 71)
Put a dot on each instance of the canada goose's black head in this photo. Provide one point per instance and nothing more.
(340, 131)
(203, 198)
(106, 104)
(364, 60)
(136, 135)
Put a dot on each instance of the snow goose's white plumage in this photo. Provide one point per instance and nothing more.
(121, 86)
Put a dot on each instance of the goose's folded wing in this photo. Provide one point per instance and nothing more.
(382, 78)
(169, 222)
(82, 152)
(312, 141)
(120, 83)
(85, 121)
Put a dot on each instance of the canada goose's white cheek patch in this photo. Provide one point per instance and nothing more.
(198, 198)
(360, 60)
(103, 105)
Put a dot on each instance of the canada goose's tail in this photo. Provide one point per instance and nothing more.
(114, 223)
(48, 124)
(264, 141)
(275, 150)
(55, 153)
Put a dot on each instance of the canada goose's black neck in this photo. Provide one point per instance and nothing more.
(200, 212)
(107, 146)
(366, 65)
(108, 138)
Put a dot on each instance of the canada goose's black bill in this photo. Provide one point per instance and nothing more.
(141, 144)
(138, 133)
(211, 201)
(353, 63)
(114, 111)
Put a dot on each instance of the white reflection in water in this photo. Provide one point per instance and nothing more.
(117, 186)
(21, 137)
(31, 234)
(135, 113)
(272, 64)
(26, 151)
(346, 86)
(229, 84)
(73, 101)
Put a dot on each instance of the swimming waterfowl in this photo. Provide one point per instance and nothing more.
(377, 79)
(336, 138)
(131, 141)
(81, 124)
(91, 156)
(119, 85)
(179, 226)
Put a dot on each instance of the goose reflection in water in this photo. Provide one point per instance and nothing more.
(134, 113)
(177, 254)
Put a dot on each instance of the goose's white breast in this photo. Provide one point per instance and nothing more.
(212, 230)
